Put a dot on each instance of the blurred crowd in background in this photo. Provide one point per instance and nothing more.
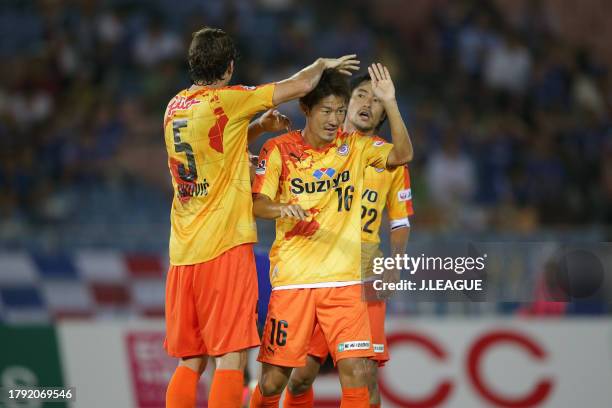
(510, 114)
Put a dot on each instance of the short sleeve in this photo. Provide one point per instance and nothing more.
(376, 151)
(267, 173)
(246, 101)
(399, 198)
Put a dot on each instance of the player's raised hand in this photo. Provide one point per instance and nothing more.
(382, 85)
(274, 121)
(345, 64)
(293, 211)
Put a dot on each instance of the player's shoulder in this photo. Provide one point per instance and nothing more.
(362, 138)
(292, 137)
(242, 88)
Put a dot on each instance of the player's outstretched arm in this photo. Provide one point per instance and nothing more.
(398, 238)
(305, 80)
(383, 88)
(271, 121)
(264, 207)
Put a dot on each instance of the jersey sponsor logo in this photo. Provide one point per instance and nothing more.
(379, 170)
(298, 186)
(261, 168)
(353, 345)
(329, 172)
(180, 103)
(379, 348)
(404, 195)
(378, 143)
(343, 149)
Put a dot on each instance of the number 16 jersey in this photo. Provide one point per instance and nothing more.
(205, 131)
(325, 249)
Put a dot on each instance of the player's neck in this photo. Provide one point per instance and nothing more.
(216, 84)
(350, 128)
(312, 139)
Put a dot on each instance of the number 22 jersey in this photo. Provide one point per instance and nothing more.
(205, 131)
(325, 249)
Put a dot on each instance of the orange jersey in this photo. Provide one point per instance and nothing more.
(325, 249)
(206, 138)
(385, 188)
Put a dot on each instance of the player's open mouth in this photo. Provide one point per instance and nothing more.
(365, 115)
(331, 128)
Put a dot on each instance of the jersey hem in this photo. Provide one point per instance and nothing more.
(221, 251)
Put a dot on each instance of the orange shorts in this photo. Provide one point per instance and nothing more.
(211, 307)
(376, 311)
(293, 314)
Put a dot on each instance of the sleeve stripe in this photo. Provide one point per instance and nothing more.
(401, 223)
(409, 207)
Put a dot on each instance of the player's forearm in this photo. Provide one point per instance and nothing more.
(402, 151)
(309, 77)
(255, 130)
(263, 207)
(299, 84)
(399, 240)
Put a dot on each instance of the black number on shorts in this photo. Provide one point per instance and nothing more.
(278, 335)
(347, 201)
(180, 147)
(373, 214)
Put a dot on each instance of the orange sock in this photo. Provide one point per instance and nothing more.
(305, 400)
(355, 398)
(181, 392)
(259, 401)
(226, 389)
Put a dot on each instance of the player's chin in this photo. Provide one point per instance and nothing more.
(329, 134)
(362, 124)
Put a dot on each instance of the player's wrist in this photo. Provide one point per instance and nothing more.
(389, 101)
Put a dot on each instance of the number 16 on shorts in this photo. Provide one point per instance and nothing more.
(278, 334)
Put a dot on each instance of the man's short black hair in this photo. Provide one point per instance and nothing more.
(210, 54)
(332, 82)
(360, 79)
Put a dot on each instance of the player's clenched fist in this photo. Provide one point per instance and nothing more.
(293, 211)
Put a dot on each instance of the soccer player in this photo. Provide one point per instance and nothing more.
(311, 182)
(211, 287)
(382, 187)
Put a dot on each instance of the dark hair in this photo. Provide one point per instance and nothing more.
(332, 82)
(210, 54)
(358, 80)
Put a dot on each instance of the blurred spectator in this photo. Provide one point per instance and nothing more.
(450, 175)
(507, 65)
(156, 44)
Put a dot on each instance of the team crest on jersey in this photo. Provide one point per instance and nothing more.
(261, 168)
(404, 195)
(319, 173)
(379, 170)
(378, 143)
(343, 149)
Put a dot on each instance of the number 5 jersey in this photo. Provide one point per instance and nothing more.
(205, 131)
